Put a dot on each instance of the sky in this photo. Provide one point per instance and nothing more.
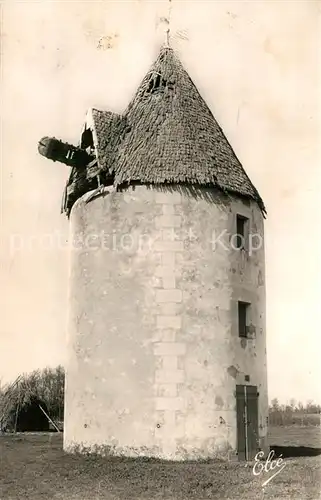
(257, 66)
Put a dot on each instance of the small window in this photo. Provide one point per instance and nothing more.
(87, 139)
(156, 83)
(243, 315)
(241, 231)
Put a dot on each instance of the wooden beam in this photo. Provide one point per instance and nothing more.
(53, 423)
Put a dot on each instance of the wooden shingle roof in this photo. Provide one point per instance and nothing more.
(168, 135)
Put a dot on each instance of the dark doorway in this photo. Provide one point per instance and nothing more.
(247, 421)
(31, 418)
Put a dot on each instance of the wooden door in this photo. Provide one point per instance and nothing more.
(247, 421)
(240, 418)
(252, 421)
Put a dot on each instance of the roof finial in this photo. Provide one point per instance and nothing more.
(167, 33)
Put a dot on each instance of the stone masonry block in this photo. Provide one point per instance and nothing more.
(168, 221)
(169, 376)
(170, 417)
(170, 234)
(169, 349)
(169, 246)
(168, 198)
(168, 259)
(174, 322)
(170, 309)
(169, 282)
(168, 295)
(164, 335)
(166, 390)
(169, 404)
(165, 271)
(169, 363)
(168, 209)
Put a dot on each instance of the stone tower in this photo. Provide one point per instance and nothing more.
(166, 336)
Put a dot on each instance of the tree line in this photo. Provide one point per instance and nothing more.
(294, 413)
(48, 385)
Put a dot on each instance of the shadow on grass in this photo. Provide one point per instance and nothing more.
(295, 451)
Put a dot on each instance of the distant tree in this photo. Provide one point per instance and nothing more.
(312, 407)
(275, 415)
(275, 404)
(293, 404)
(307, 406)
(51, 382)
(294, 413)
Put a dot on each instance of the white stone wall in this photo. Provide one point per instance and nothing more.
(154, 352)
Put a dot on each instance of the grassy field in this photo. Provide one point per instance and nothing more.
(295, 435)
(34, 467)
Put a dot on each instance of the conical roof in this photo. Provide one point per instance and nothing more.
(172, 137)
(167, 135)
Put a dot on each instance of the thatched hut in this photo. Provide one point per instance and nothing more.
(22, 409)
(29, 417)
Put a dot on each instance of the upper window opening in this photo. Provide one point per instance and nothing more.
(156, 83)
(243, 318)
(241, 231)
